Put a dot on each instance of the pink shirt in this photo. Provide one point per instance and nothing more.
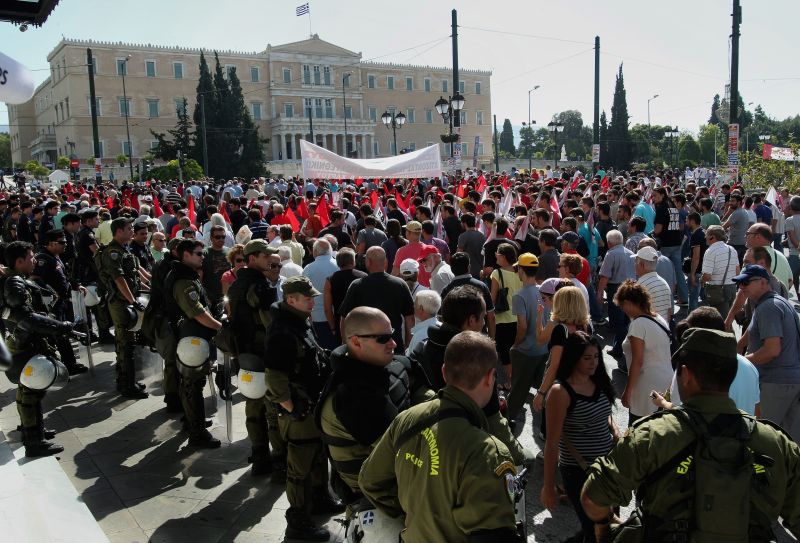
(412, 250)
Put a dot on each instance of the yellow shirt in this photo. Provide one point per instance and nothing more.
(512, 282)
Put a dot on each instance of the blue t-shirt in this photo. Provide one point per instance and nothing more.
(591, 242)
(525, 302)
(763, 213)
(744, 390)
(646, 211)
(775, 317)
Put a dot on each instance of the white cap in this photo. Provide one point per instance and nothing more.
(409, 266)
(647, 253)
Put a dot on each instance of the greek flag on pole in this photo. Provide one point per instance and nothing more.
(302, 10)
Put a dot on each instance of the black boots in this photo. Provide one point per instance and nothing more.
(325, 504)
(300, 526)
(204, 440)
(262, 462)
(35, 444)
(173, 402)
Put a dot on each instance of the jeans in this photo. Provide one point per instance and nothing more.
(781, 404)
(794, 264)
(776, 241)
(594, 308)
(674, 255)
(694, 293)
(573, 478)
(617, 320)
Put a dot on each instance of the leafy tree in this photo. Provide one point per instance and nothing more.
(525, 141)
(62, 162)
(619, 140)
(226, 127)
(206, 89)
(576, 137)
(182, 137)
(758, 172)
(250, 147)
(191, 170)
(714, 119)
(542, 142)
(689, 153)
(5, 150)
(707, 135)
(506, 143)
(37, 170)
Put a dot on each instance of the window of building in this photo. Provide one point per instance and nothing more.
(152, 108)
(373, 114)
(480, 149)
(464, 149)
(153, 144)
(326, 75)
(444, 85)
(411, 115)
(390, 82)
(306, 75)
(328, 108)
(254, 75)
(98, 104)
(463, 117)
(429, 116)
(348, 112)
(150, 68)
(125, 107)
(318, 108)
(94, 66)
(427, 84)
(122, 67)
(255, 109)
(371, 81)
(177, 70)
(307, 109)
(376, 148)
(479, 117)
(227, 71)
(412, 146)
(477, 87)
(287, 76)
(461, 87)
(180, 107)
(288, 110)
(317, 77)
(126, 150)
(409, 83)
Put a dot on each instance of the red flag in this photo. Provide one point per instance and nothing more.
(359, 181)
(481, 183)
(292, 219)
(191, 210)
(109, 203)
(224, 212)
(373, 197)
(302, 209)
(574, 183)
(157, 208)
(604, 183)
(322, 211)
(504, 182)
(400, 202)
(555, 210)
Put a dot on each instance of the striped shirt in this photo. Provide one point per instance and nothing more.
(586, 426)
(715, 260)
(660, 293)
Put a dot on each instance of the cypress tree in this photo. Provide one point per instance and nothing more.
(619, 138)
(604, 138)
(205, 88)
(507, 138)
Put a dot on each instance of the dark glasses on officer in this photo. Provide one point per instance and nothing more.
(275, 266)
(383, 339)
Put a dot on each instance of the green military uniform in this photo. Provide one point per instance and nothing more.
(184, 288)
(117, 261)
(31, 332)
(293, 373)
(449, 477)
(250, 297)
(165, 335)
(357, 405)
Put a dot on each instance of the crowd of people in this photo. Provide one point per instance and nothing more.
(362, 310)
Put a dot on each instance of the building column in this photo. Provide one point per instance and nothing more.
(281, 148)
(363, 146)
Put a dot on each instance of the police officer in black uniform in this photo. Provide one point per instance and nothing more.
(85, 271)
(48, 220)
(139, 246)
(51, 274)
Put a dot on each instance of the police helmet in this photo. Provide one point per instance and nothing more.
(43, 373)
(251, 376)
(193, 351)
(374, 525)
(90, 298)
(136, 316)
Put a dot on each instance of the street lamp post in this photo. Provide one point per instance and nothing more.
(393, 121)
(530, 126)
(448, 109)
(648, 116)
(344, 111)
(555, 127)
(127, 108)
(672, 135)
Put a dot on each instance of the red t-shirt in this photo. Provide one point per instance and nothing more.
(583, 277)
(412, 250)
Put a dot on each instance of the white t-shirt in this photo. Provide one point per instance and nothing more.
(583, 290)
(656, 371)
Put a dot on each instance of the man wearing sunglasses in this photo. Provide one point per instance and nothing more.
(443, 446)
(294, 381)
(369, 386)
(215, 263)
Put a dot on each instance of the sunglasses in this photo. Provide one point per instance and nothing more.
(275, 266)
(239, 261)
(61, 241)
(198, 254)
(741, 284)
(218, 237)
(383, 339)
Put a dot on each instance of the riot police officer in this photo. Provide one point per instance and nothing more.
(188, 310)
(50, 272)
(31, 333)
(250, 298)
(139, 246)
(294, 380)
(85, 271)
(119, 272)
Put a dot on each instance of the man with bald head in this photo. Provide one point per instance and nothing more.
(369, 386)
(385, 292)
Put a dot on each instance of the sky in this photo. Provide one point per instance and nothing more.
(678, 49)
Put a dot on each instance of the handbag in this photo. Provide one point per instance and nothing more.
(501, 304)
(715, 294)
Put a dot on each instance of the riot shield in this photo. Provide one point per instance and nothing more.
(79, 312)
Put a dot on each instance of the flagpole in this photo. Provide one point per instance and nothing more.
(310, 33)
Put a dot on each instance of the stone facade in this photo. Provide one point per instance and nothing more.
(281, 85)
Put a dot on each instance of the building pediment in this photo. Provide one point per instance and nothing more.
(313, 46)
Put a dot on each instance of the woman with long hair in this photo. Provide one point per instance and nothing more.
(394, 241)
(237, 261)
(505, 277)
(580, 426)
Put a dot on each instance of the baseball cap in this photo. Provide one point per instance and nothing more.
(647, 253)
(299, 284)
(259, 246)
(548, 286)
(527, 260)
(409, 266)
(704, 341)
(570, 237)
(426, 251)
(751, 271)
(414, 226)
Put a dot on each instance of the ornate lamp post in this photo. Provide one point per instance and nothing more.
(393, 121)
(555, 127)
(448, 109)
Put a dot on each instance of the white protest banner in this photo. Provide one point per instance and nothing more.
(319, 163)
(16, 81)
